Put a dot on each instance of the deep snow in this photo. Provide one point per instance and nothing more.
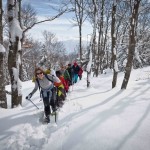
(95, 118)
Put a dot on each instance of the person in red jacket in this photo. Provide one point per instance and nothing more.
(80, 73)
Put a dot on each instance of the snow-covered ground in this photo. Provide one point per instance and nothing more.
(95, 118)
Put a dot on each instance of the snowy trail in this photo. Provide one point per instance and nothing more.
(95, 118)
(31, 134)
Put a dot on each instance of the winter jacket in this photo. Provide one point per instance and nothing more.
(80, 71)
(66, 75)
(44, 83)
(76, 69)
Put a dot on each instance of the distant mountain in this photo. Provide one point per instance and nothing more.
(72, 45)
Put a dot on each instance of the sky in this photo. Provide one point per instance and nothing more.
(94, 118)
(62, 27)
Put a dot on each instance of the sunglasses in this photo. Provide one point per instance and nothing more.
(39, 73)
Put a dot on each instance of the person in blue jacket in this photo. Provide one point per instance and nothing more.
(76, 70)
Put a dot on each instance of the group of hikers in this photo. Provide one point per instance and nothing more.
(54, 86)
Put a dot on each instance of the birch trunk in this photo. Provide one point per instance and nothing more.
(13, 64)
(132, 43)
(3, 99)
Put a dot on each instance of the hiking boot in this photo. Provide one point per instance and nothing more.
(47, 119)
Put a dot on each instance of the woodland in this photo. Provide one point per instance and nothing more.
(120, 40)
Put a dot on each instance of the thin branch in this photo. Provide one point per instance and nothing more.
(50, 19)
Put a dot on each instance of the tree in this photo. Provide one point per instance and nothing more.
(3, 100)
(28, 21)
(134, 5)
(100, 39)
(92, 42)
(55, 50)
(15, 36)
(79, 9)
(114, 64)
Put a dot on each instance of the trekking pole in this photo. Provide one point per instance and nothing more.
(72, 87)
(33, 104)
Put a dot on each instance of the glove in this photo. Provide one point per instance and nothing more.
(29, 96)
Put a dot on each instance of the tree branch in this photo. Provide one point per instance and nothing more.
(50, 19)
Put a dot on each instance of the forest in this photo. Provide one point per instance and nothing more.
(120, 40)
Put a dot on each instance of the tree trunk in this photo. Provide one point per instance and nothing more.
(92, 43)
(99, 52)
(100, 42)
(3, 99)
(105, 41)
(132, 43)
(13, 64)
(21, 75)
(113, 47)
(80, 41)
(88, 78)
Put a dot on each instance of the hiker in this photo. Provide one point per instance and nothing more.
(71, 73)
(80, 73)
(61, 77)
(64, 72)
(61, 93)
(48, 92)
(76, 69)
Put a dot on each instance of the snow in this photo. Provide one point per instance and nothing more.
(2, 49)
(116, 66)
(17, 84)
(14, 26)
(88, 68)
(137, 55)
(95, 118)
(19, 45)
(15, 30)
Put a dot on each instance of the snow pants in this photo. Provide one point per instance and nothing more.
(75, 78)
(49, 101)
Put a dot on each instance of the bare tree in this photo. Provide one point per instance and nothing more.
(3, 100)
(79, 9)
(92, 42)
(55, 50)
(15, 35)
(100, 39)
(28, 19)
(134, 5)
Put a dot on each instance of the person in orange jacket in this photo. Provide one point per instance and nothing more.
(61, 95)
(62, 79)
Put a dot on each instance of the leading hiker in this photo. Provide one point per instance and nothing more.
(45, 83)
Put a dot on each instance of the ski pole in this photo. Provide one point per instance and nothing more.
(33, 104)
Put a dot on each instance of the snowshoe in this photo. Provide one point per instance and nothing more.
(55, 113)
(60, 104)
(46, 119)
